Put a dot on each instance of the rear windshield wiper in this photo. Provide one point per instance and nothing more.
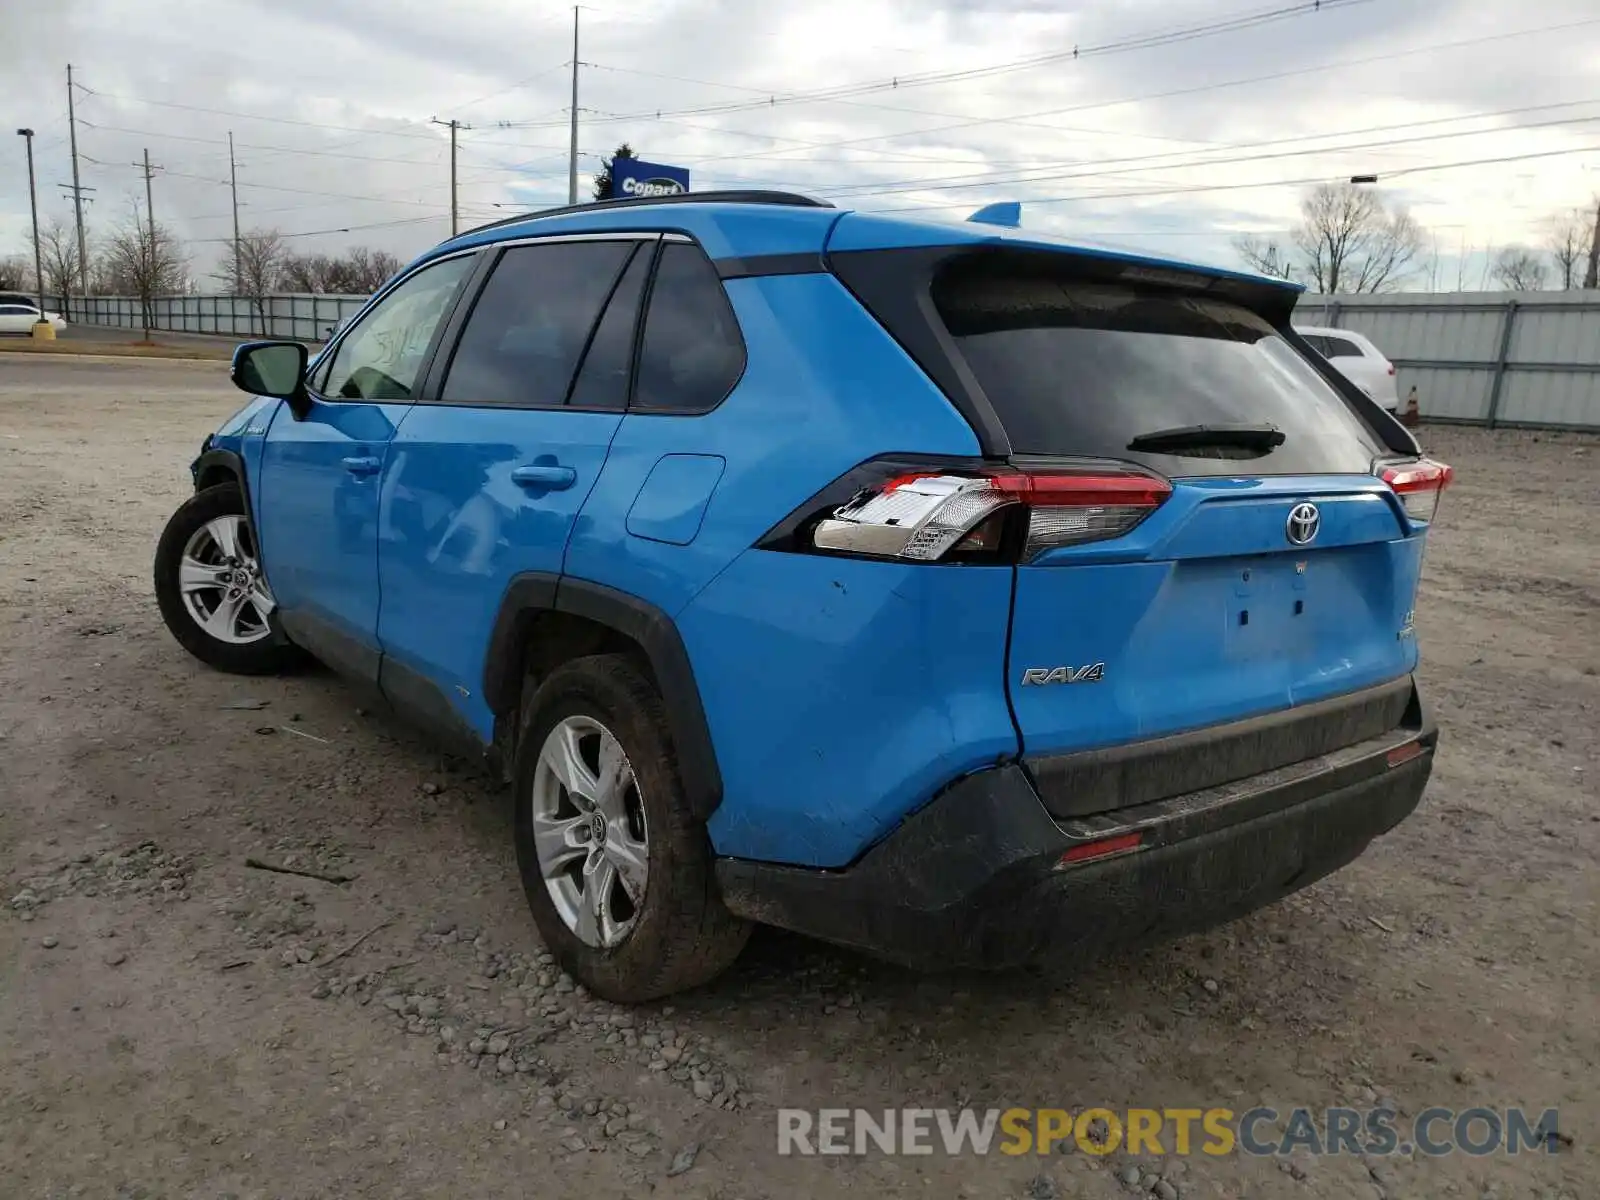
(1259, 438)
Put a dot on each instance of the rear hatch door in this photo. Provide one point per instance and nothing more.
(1278, 572)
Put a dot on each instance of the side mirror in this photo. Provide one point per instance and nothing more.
(276, 369)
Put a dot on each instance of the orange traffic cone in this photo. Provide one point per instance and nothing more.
(1411, 417)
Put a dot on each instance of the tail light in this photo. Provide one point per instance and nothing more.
(984, 513)
(1391, 368)
(1419, 485)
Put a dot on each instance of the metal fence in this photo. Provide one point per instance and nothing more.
(1484, 358)
(1529, 359)
(301, 316)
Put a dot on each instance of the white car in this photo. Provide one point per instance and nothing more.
(21, 318)
(1358, 360)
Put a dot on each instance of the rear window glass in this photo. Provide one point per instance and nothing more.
(1080, 368)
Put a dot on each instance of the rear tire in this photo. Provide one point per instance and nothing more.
(628, 935)
(210, 589)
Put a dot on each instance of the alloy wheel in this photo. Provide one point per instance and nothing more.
(589, 831)
(220, 580)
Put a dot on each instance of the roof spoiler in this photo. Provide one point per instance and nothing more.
(1007, 214)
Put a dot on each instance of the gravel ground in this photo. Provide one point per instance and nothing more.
(174, 1022)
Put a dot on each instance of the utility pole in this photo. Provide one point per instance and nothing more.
(33, 204)
(77, 189)
(233, 183)
(149, 204)
(1591, 277)
(453, 125)
(151, 258)
(572, 156)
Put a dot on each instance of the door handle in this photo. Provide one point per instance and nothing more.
(362, 464)
(551, 478)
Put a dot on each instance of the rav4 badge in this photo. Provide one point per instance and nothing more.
(1088, 673)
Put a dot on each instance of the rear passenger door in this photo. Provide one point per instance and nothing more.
(487, 474)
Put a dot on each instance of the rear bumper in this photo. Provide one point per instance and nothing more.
(975, 878)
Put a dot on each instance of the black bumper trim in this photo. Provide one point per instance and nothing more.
(974, 879)
(1118, 777)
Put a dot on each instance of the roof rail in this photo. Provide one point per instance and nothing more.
(792, 199)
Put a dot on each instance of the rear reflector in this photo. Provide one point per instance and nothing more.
(1419, 485)
(1104, 848)
(1404, 754)
(925, 515)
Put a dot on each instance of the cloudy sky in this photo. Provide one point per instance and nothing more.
(1175, 126)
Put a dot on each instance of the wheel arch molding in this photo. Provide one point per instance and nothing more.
(545, 607)
(217, 465)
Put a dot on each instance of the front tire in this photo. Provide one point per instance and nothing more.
(211, 590)
(617, 870)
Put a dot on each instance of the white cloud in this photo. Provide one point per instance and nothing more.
(330, 101)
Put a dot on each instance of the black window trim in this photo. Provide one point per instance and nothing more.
(331, 350)
(643, 324)
(439, 367)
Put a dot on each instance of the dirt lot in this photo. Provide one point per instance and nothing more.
(175, 1023)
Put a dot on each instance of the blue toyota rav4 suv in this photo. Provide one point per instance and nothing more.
(941, 590)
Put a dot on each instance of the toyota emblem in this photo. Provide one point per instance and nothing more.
(1304, 521)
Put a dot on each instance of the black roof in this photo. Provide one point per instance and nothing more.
(792, 199)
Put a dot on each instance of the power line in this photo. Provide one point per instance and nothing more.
(521, 83)
(277, 187)
(336, 229)
(955, 183)
(895, 108)
(1337, 65)
(925, 79)
(189, 137)
(1270, 183)
(223, 112)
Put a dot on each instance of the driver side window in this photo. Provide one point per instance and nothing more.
(381, 357)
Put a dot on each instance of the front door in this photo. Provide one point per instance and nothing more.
(317, 497)
(484, 481)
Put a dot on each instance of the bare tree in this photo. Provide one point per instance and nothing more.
(1349, 242)
(58, 246)
(256, 269)
(15, 273)
(1566, 238)
(307, 272)
(360, 272)
(146, 261)
(1519, 269)
(369, 270)
(1591, 273)
(1264, 255)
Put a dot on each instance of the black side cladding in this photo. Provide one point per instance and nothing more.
(648, 627)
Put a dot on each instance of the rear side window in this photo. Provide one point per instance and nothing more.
(530, 325)
(692, 353)
(608, 364)
(1342, 348)
(1082, 369)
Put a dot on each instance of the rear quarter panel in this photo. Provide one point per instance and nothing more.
(839, 693)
